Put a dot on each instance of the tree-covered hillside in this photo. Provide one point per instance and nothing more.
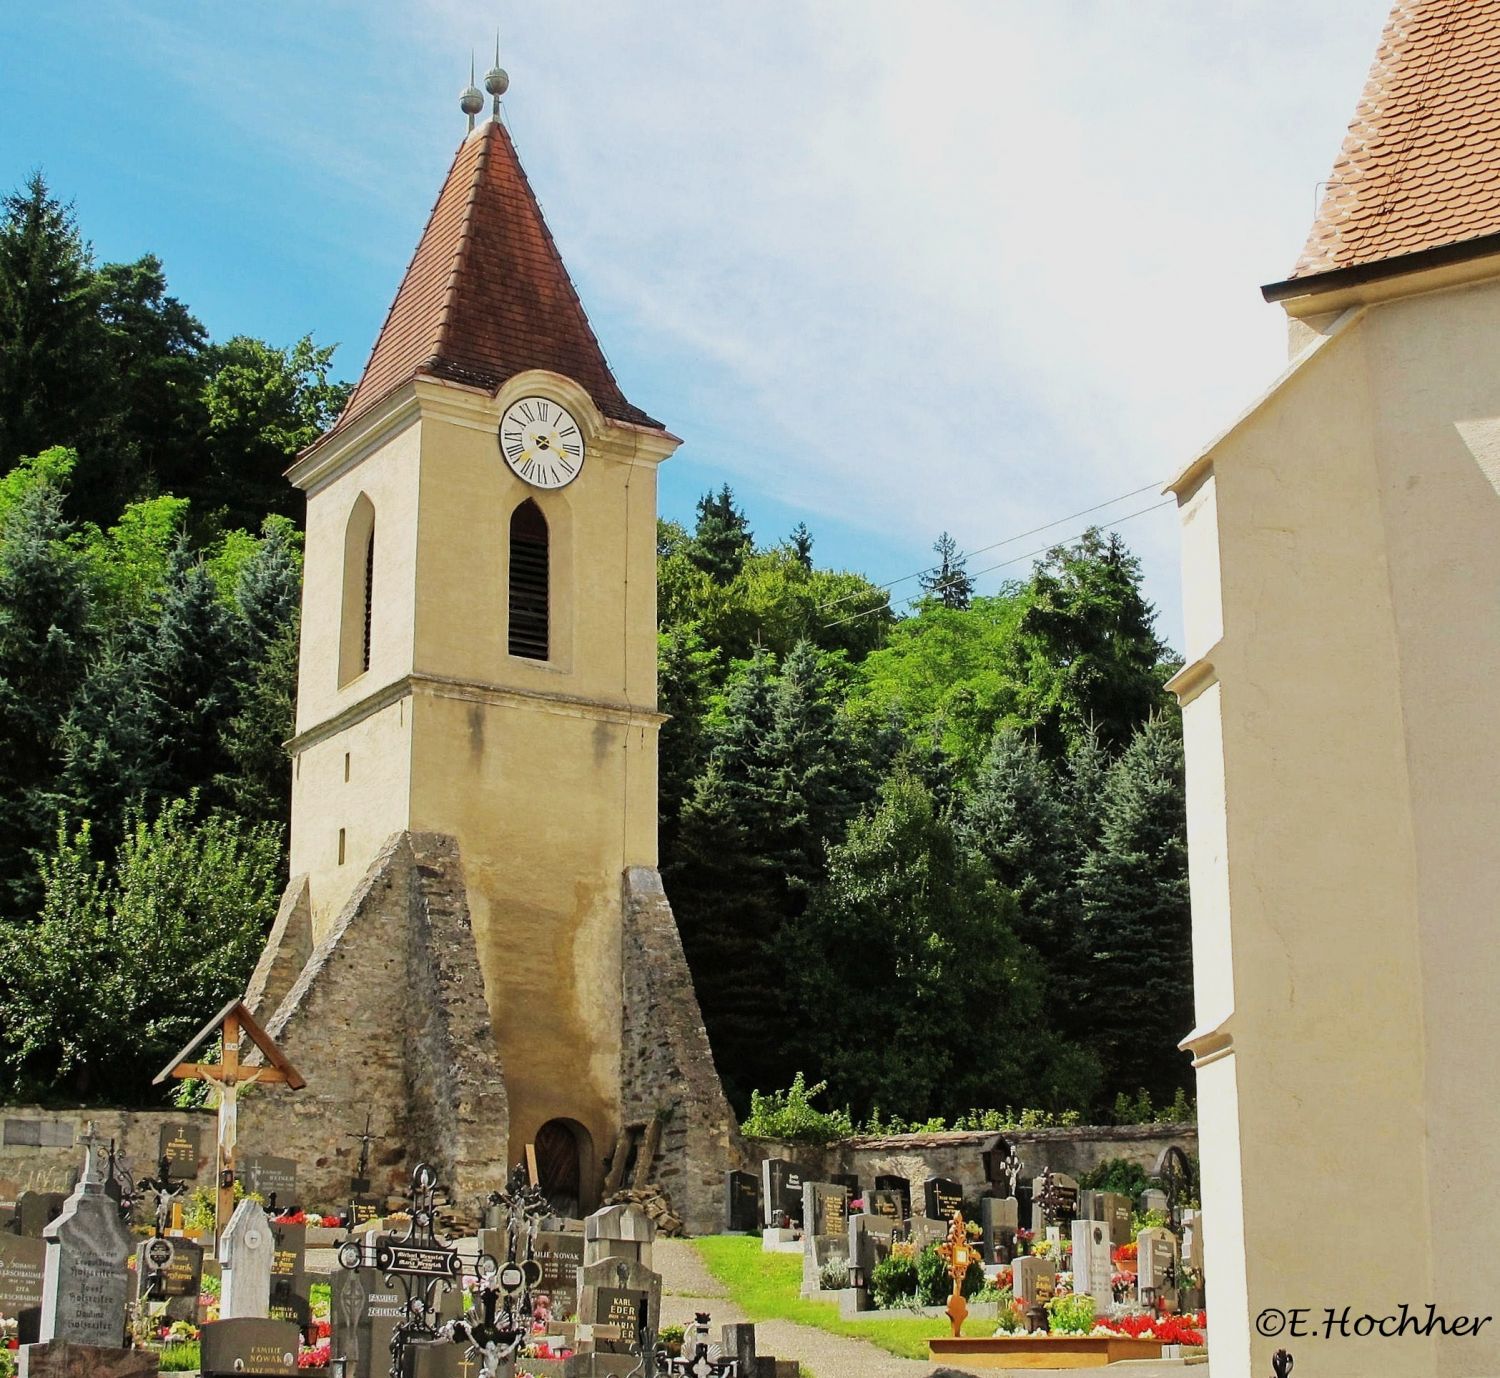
(936, 859)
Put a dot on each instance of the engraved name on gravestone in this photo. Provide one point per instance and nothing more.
(364, 1313)
(781, 1191)
(560, 1254)
(246, 1254)
(289, 1281)
(21, 1265)
(890, 1184)
(245, 1346)
(825, 1208)
(1032, 1280)
(1156, 1262)
(606, 1287)
(1114, 1210)
(270, 1177)
(942, 1196)
(181, 1145)
(886, 1204)
(174, 1276)
(86, 1281)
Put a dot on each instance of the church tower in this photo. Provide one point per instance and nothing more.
(477, 715)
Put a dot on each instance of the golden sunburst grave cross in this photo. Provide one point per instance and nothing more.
(958, 1254)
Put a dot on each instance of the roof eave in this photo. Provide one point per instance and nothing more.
(1356, 275)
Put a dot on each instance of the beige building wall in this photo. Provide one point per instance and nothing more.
(1342, 591)
(544, 772)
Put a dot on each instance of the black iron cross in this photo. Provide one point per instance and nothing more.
(362, 1177)
(165, 1190)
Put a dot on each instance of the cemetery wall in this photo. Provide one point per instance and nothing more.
(39, 1149)
(1073, 1151)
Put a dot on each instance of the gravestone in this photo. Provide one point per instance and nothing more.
(618, 1232)
(742, 1213)
(1192, 1240)
(22, 1262)
(825, 1208)
(364, 1311)
(560, 1254)
(59, 1359)
(270, 1178)
(869, 1240)
(612, 1291)
(1092, 1269)
(781, 1191)
(1153, 1199)
(941, 1197)
(179, 1262)
(886, 1204)
(1114, 1210)
(1156, 1264)
(901, 1187)
(289, 1281)
(923, 1231)
(849, 1181)
(181, 1146)
(85, 1281)
(737, 1342)
(250, 1348)
(1064, 1201)
(1032, 1280)
(246, 1255)
(35, 1210)
(999, 1218)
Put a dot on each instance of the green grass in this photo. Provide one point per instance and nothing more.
(767, 1286)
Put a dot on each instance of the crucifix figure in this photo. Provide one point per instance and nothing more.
(230, 1075)
(361, 1183)
(166, 1192)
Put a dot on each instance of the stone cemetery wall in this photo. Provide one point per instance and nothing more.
(387, 1012)
(39, 1148)
(959, 1155)
(666, 1067)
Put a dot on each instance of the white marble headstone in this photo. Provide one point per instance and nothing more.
(1092, 1268)
(246, 1253)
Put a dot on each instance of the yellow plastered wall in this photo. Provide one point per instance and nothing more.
(1346, 885)
(545, 772)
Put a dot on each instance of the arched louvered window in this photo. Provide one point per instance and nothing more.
(528, 582)
(357, 623)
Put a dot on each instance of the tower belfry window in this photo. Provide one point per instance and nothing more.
(369, 596)
(356, 629)
(527, 631)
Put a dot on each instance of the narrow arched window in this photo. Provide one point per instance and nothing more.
(528, 582)
(356, 626)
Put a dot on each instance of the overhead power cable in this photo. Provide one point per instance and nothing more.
(1019, 536)
(990, 569)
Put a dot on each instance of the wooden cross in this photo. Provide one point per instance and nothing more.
(958, 1254)
(229, 1075)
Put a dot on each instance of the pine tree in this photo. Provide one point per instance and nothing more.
(721, 540)
(948, 581)
(1138, 995)
(802, 545)
(50, 338)
(268, 588)
(258, 786)
(46, 639)
(684, 676)
(1015, 818)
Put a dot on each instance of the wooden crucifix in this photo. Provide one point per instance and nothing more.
(230, 1075)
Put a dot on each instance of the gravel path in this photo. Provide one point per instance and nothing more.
(688, 1287)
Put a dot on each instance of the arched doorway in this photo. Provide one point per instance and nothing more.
(564, 1166)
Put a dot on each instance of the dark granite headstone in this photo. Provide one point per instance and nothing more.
(560, 1252)
(741, 1203)
(781, 1191)
(35, 1210)
(364, 1313)
(182, 1146)
(247, 1348)
(999, 1218)
(941, 1197)
(900, 1186)
(289, 1280)
(848, 1180)
(886, 1204)
(825, 1208)
(266, 1176)
(606, 1286)
(181, 1270)
(21, 1263)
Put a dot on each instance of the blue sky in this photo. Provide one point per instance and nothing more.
(888, 268)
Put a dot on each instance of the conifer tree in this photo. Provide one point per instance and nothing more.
(802, 545)
(915, 990)
(721, 540)
(46, 639)
(50, 338)
(948, 581)
(684, 676)
(1138, 996)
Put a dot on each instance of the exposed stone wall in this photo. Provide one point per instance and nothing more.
(666, 1066)
(959, 1155)
(388, 1017)
(55, 1167)
(287, 949)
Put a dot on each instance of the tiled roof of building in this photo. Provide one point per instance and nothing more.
(1420, 167)
(486, 295)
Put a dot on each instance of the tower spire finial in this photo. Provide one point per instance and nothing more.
(497, 80)
(471, 102)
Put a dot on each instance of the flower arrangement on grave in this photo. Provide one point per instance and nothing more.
(1142, 1325)
(318, 1356)
(1125, 1253)
(1121, 1284)
(1010, 1315)
(1071, 1314)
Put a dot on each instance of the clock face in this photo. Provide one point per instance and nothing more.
(541, 442)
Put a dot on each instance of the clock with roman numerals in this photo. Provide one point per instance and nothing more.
(541, 442)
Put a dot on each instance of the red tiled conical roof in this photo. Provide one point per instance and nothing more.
(1420, 167)
(486, 295)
